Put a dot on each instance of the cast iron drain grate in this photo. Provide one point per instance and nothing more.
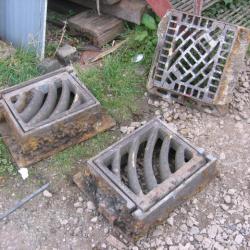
(145, 169)
(197, 58)
(47, 100)
(45, 115)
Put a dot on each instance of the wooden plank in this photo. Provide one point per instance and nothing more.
(129, 10)
(100, 29)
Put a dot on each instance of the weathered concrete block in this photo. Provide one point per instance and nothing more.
(67, 54)
(48, 65)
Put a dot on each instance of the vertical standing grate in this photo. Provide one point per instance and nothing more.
(193, 57)
(197, 58)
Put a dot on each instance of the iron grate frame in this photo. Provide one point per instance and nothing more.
(190, 75)
(145, 201)
(42, 89)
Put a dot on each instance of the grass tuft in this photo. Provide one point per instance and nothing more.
(67, 158)
(18, 68)
(6, 167)
(116, 84)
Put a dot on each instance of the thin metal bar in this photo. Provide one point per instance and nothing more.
(33, 106)
(150, 179)
(23, 201)
(132, 173)
(47, 107)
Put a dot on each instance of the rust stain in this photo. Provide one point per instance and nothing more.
(234, 63)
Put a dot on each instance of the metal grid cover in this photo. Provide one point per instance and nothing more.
(188, 6)
(237, 14)
(193, 56)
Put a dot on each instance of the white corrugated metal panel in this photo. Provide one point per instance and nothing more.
(23, 23)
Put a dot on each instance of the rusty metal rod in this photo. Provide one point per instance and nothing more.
(23, 201)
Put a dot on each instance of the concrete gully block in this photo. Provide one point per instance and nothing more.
(197, 61)
(139, 180)
(48, 114)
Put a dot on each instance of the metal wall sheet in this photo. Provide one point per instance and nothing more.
(23, 23)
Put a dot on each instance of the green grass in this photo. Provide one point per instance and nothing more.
(69, 157)
(115, 84)
(18, 68)
(6, 167)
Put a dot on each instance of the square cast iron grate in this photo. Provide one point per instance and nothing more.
(139, 180)
(193, 56)
(198, 58)
(47, 100)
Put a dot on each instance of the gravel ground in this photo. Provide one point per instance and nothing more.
(216, 218)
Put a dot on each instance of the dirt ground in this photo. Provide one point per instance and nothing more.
(216, 218)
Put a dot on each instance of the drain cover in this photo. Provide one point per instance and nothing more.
(48, 114)
(47, 100)
(238, 15)
(188, 6)
(197, 58)
(140, 179)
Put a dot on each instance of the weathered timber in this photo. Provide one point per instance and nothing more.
(129, 10)
(99, 29)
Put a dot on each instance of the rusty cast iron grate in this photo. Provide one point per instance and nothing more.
(47, 100)
(144, 169)
(48, 114)
(197, 58)
(194, 55)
